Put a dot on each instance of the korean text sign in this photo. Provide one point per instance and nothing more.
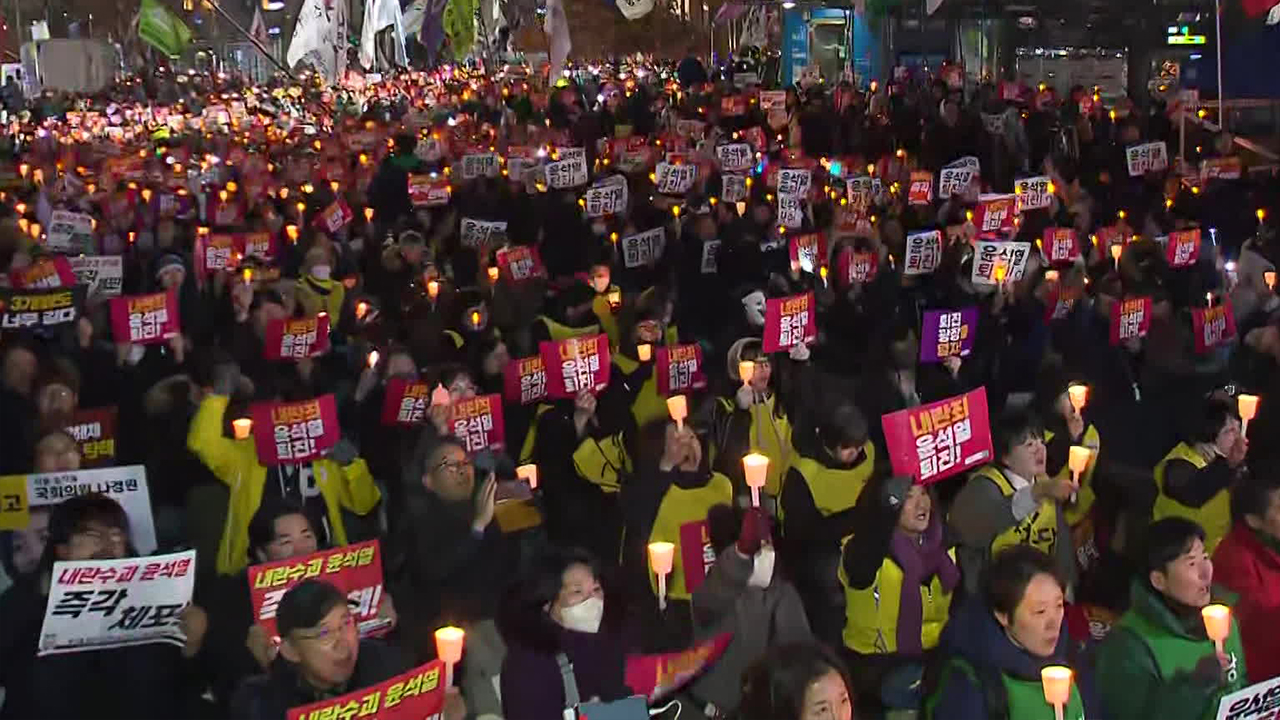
(1060, 245)
(1130, 319)
(1259, 701)
(808, 251)
(924, 252)
(94, 431)
(576, 364)
(477, 422)
(789, 321)
(524, 380)
(1183, 248)
(100, 604)
(406, 402)
(126, 485)
(519, 263)
(145, 319)
(44, 273)
(855, 266)
(678, 369)
(32, 309)
(1213, 326)
(290, 339)
(697, 554)
(354, 569)
(998, 262)
(657, 675)
(947, 333)
(294, 432)
(1150, 157)
(1033, 193)
(643, 248)
(416, 695)
(935, 441)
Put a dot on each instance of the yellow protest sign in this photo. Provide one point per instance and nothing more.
(15, 511)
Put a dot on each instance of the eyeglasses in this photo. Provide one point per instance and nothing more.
(454, 467)
(327, 636)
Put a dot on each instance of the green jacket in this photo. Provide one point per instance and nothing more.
(1145, 665)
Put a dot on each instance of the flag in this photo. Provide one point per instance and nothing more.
(635, 9)
(161, 29)
(557, 29)
(379, 14)
(411, 21)
(933, 5)
(320, 37)
(729, 11)
(258, 29)
(1273, 17)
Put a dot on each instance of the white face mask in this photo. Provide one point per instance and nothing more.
(584, 617)
(754, 305)
(762, 568)
(320, 272)
(600, 283)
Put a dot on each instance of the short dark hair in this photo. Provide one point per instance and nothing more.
(1252, 495)
(1010, 572)
(1169, 539)
(262, 527)
(74, 514)
(1214, 414)
(306, 604)
(1012, 429)
(845, 426)
(774, 686)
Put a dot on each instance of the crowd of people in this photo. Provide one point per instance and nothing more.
(411, 260)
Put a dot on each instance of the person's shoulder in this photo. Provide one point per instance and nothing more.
(257, 697)
(379, 661)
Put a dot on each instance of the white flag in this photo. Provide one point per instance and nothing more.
(320, 36)
(635, 9)
(413, 16)
(379, 14)
(557, 28)
(258, 30)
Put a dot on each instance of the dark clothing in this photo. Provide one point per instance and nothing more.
(532, 688)
(230, 617)
(270, 696)
(389, 189)
(691, 72)
(1190, 486)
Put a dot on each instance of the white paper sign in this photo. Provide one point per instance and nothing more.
(924, 252)
(1033, 193)
(480, 165)
(565, 174)
(477, 233)
(104, 274)
(70, 232)
(733, 188)
(643, 248)
(790, 211)
(672, 179)
(996, 262)
(710, 257)
(1150, 157)
(101, 604)
(126, 485)
(954, 180)
(1259, 701)
(735, 157)
(792, 181)
(607, 198)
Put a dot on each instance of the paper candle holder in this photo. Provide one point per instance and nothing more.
(755, 469)
(1079, 395)
(678, 406)
(746, 371)
(1056, 681)
(528, 473)
(242, 427)
(1217, 623)
(644, 352)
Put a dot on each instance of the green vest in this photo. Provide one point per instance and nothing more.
(1024, 699)
(1214, 516)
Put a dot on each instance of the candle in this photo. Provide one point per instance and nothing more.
(433, 289)
(1217, 623)
(35, 230)
(678, 406)
(615, 299)
(1248, 407)
(449, 641)
(741, 208)
(1078, 460)
(529, 473)
(475, 318)
(1079, 395)
(1116, 250)
(493, 274)
(368, 214)
(440, 396)
(362, 308)
(755, 467)
(661, 558)
(292, 232)
(23, 169)
(146, 195)
(241, 427)
(1056, 680)
(644, 352)
(247, 274)
(746, 371)
(373, 358)
(1269, 277)
(1051, 276)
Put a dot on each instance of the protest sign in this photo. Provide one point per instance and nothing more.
(643, 248)
(126, 485)
(1213, 326)
(103, 604)
(1130, 319)
(935, 441)
(795, 182)
(735, 157)
(710, 263)
(1145, 158)
(334, 217)
(565, 174)
(790, 210)
(770, 99)
(426, 191)
(947, 333)
(605, 200)
(477, 422)
(33, 309)
(405, 402)
(1061, 300)
(808, 252)
(924, 252)
(856, 266)
(44, 273)
(789, 321)
(289, 339)
(733, 188)
(697, 554)
(1183, 248)
(416, 695)
(576, 364)
(354, 569)
(1228, 168)
(999, 262)
(145, 319)
(675, 179)
(1259, 701)
(476, 165)
(262, 245)
(1033, 193)
(954, 180)
(294, 432)
(479, 233)
(70, 232)
(1060, 245)
(519, 263)
(655, 676)
(524, 380)
(94, 431)
(215, 252)
(103, 275)
(678, 369)
(995, 213)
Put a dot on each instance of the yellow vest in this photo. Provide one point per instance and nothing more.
(531, 437)
(770, 436)
(1039, 529)
(835, 489)
(1078, 510)
(559, 332)
(686, 510)
(871, 614)
(648, 405)
(1214, 516)
(603, 461)
(314, 301)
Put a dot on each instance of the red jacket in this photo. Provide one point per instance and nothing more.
(1244, 565)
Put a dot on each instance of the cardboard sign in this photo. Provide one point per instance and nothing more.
(524, 380)
(1149, 157)
(126, 485)
(335, 217)
(519, 263)
(935, 441)
(405, 402)
(296, 432)
(678, 369)
(33, 309)
(1259, 701)
(44, 273)
(94, 431)
(354, 569)
(790, 210)
(70, 232)
(999, 262)
(924, 252)
(416, 695)
(995, 213)
(1061, 245)
(605, 200)
(735, 157)
(789, 321)
(576, 364)
(947, 333)
(644, 248)
(480, 165)
(861, 191)
(1213, 326)
(477, 422)
(733, 188)
(145, 319)
(921, 191)
(290, 339)
(808, 251)
(675, 179)
(856, 266)
(103, 275)
(565, 174)
(656, 676)
(479, 233)
(697, 554)
(955, 180)
(101, 604)
(1033, 193)
(426, 191)
(796, 182)
(1183, 248)
(1130, 319)
(214, 253)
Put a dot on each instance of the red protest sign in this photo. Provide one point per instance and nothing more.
(262, 245)
(1213, 326)
(145, 319)
(995, 213)
(415, 695)
(335, 217)
(295, 432)
(354, 569)
(576, 364)
(226, 213)
(1061, 245)
(425, 191)
(679, 369)
(808, 252)
(697, 554)
(406, 402)
(788, 322)
(854, 266)
(295, 339)
(477, 422)
(1130, 319)
(655, 676)
(1061, 301)
(1183, 248)
(214, 253)
(524, 380)
(45, 273)
(95, 433)
(519, 263)
(941, 439)
(921, 191)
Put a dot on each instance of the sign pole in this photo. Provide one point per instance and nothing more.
(1222, 115)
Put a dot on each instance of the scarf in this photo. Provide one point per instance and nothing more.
(920, 561)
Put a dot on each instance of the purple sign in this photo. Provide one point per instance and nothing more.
(947, 333)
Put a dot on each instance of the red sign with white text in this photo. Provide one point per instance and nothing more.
(935, 441)
(1061, 245)
(295, 432)
(94, 431)
(524, 380)
(215, 252)
(679, 369)
(655, 676)
(1130, 319)
(335, 217)
(1183, 248)
(296, 339)
(808, 252)
(789, 321)
(853, 266)
(416, 695)
(576, 364)
(354, 569)
(406, 402)
(1213, 326)
(477, 422)
(45, 273)
(145, 319)
(519, 263)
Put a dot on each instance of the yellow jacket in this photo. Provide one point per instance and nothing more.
(317, 296)
(235, 462)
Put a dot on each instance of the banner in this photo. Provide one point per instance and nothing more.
(921, 190)
(479, 233)
(1061, 245)
(565, 174)
(70, 232)
(94, 431)
(789, 321)
(643, 248)
(576, 364)
(1259, 701)
(102, 274)
(295, 432)
(524, 380)
(44, 273)
(288, 339)
(479, 165)
(416, 695)
(87, 609)
(655, 676)
(735, 157)
(678, 369)
(477, 422)
(1150, 157)
(1130, 319)
(405, 402)
(1183, 248)
(126, 485)
(995, 213)
(856, 266)
(606, 200)
(519, 263)
(1213, 326)
(924, 252)
(935, 441)
(31, 309)
(947, 333)
(354, 569)
(697, 554)
(673, 179)
(999, 262)
(1033, 193)
(145, 319)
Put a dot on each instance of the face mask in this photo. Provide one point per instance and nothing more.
(320, 272)
(753, 305)
(762, 568)
(584, 617)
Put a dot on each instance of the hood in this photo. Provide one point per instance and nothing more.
(974, 635)
(1147, 602)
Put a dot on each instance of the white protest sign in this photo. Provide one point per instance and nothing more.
(997, 262)
(1259, 701)
(104, 274)
(479, 165)
(924, 252)
(643, 248)
(102, 604)
(565, 174)
(710, 257)
(792, 181)
(954, 180)
(1033, 193)
(790, 211)
(735, 157)
(126, 485)
(70, 232)
(477, 233)
(607, 199)
(675, 179)
(1149, 157)
(733, 188)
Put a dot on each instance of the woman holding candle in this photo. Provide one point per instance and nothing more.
(1247, 562)
(1158, 660)
(632, 381)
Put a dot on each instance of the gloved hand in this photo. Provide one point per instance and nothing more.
(746, 396)
(799, 353)
(344, 452)
(755, 530)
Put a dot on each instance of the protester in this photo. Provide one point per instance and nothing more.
(804, 682)
(1247, 562)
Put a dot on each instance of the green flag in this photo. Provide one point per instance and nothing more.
(162, 29)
